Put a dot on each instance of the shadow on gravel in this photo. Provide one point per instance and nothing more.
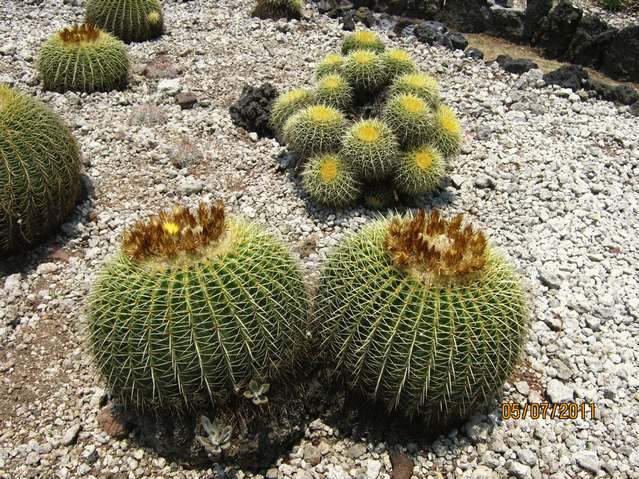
(53, 248)
(262, 434)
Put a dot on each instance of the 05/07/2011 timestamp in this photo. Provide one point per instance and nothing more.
(543, 410)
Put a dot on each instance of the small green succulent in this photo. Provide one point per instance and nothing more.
(363, 40)
(257, 392)
(216, 438)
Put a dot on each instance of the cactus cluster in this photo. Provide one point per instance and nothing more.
(276, 9)
(195, 307)
(39, 171)
(422, 315)
(378, 118)
(83, 58)
(129, 20)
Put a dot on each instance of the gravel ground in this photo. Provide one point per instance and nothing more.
(549, 174)
(615, 19)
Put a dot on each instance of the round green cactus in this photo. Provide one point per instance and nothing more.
(331, 64)
(287, 104)
(371, 149)
(411, 118)
(418, 84)
(328, 181)
(276, 9)
(333, 90)
(194, 308)
(398, 62)
(315, 129)
(129, 20)
(364, 70)
(422, 315)
(419, 171)
(447, 131)
(39, 171)
(83, 58)
(363, 40)
(379, 195)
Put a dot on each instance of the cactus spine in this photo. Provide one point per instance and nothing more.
(398, 62)
(329, 181)
(287, 104)
(195, 305)
(364, 70)
(447, 131)
(363, 40)
(371, 148)
(410, 118)
(276, 9)
(315, 129)
(422, 315)
(420, 171)
(330, 65)
(83, 58)
(129, 20)
(39, 171)
(418, 84)
(333, 90)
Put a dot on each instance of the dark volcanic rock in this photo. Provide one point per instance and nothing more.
(623, 94)
(554, 32)
(590, 41)
(475, 54)
(429, 35)
(568, 76)
(536, 10)
(458, 40)
(469, 16)
(507, 23)
(252, 111)
(621, 58)
(515, 65)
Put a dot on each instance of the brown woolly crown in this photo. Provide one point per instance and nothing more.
(80, 33)
(178, 230)
(435, 247)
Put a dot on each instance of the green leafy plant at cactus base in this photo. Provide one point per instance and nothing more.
(276, 9)
(422, 315)
(194, 308)
(83, 58)
(377, 117)
(39, 171)
(129, 20)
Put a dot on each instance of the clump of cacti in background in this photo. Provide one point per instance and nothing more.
(378, 117)
(276, 9)
(39, 171)
(129, 20)
(195, 307)
(83, 58)
(422, 314)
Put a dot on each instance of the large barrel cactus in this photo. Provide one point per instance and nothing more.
(422, 315)
(83, 58)
(129, 20)
(194, 308)
(39, 171)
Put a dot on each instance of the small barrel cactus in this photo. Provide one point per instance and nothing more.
(398, 62)
(129, 20)
(364, 70)
(288, 103)
(418, 84)
(328, 181)
(334, 91)
(83, 58)
(422, 315)
(371, 149)
(363, 40)
(447, 131)
(410, 118)
(420, 171)
(315, 129)
(331, 64)
(194, 307)
(276, 9)
(39, 171)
